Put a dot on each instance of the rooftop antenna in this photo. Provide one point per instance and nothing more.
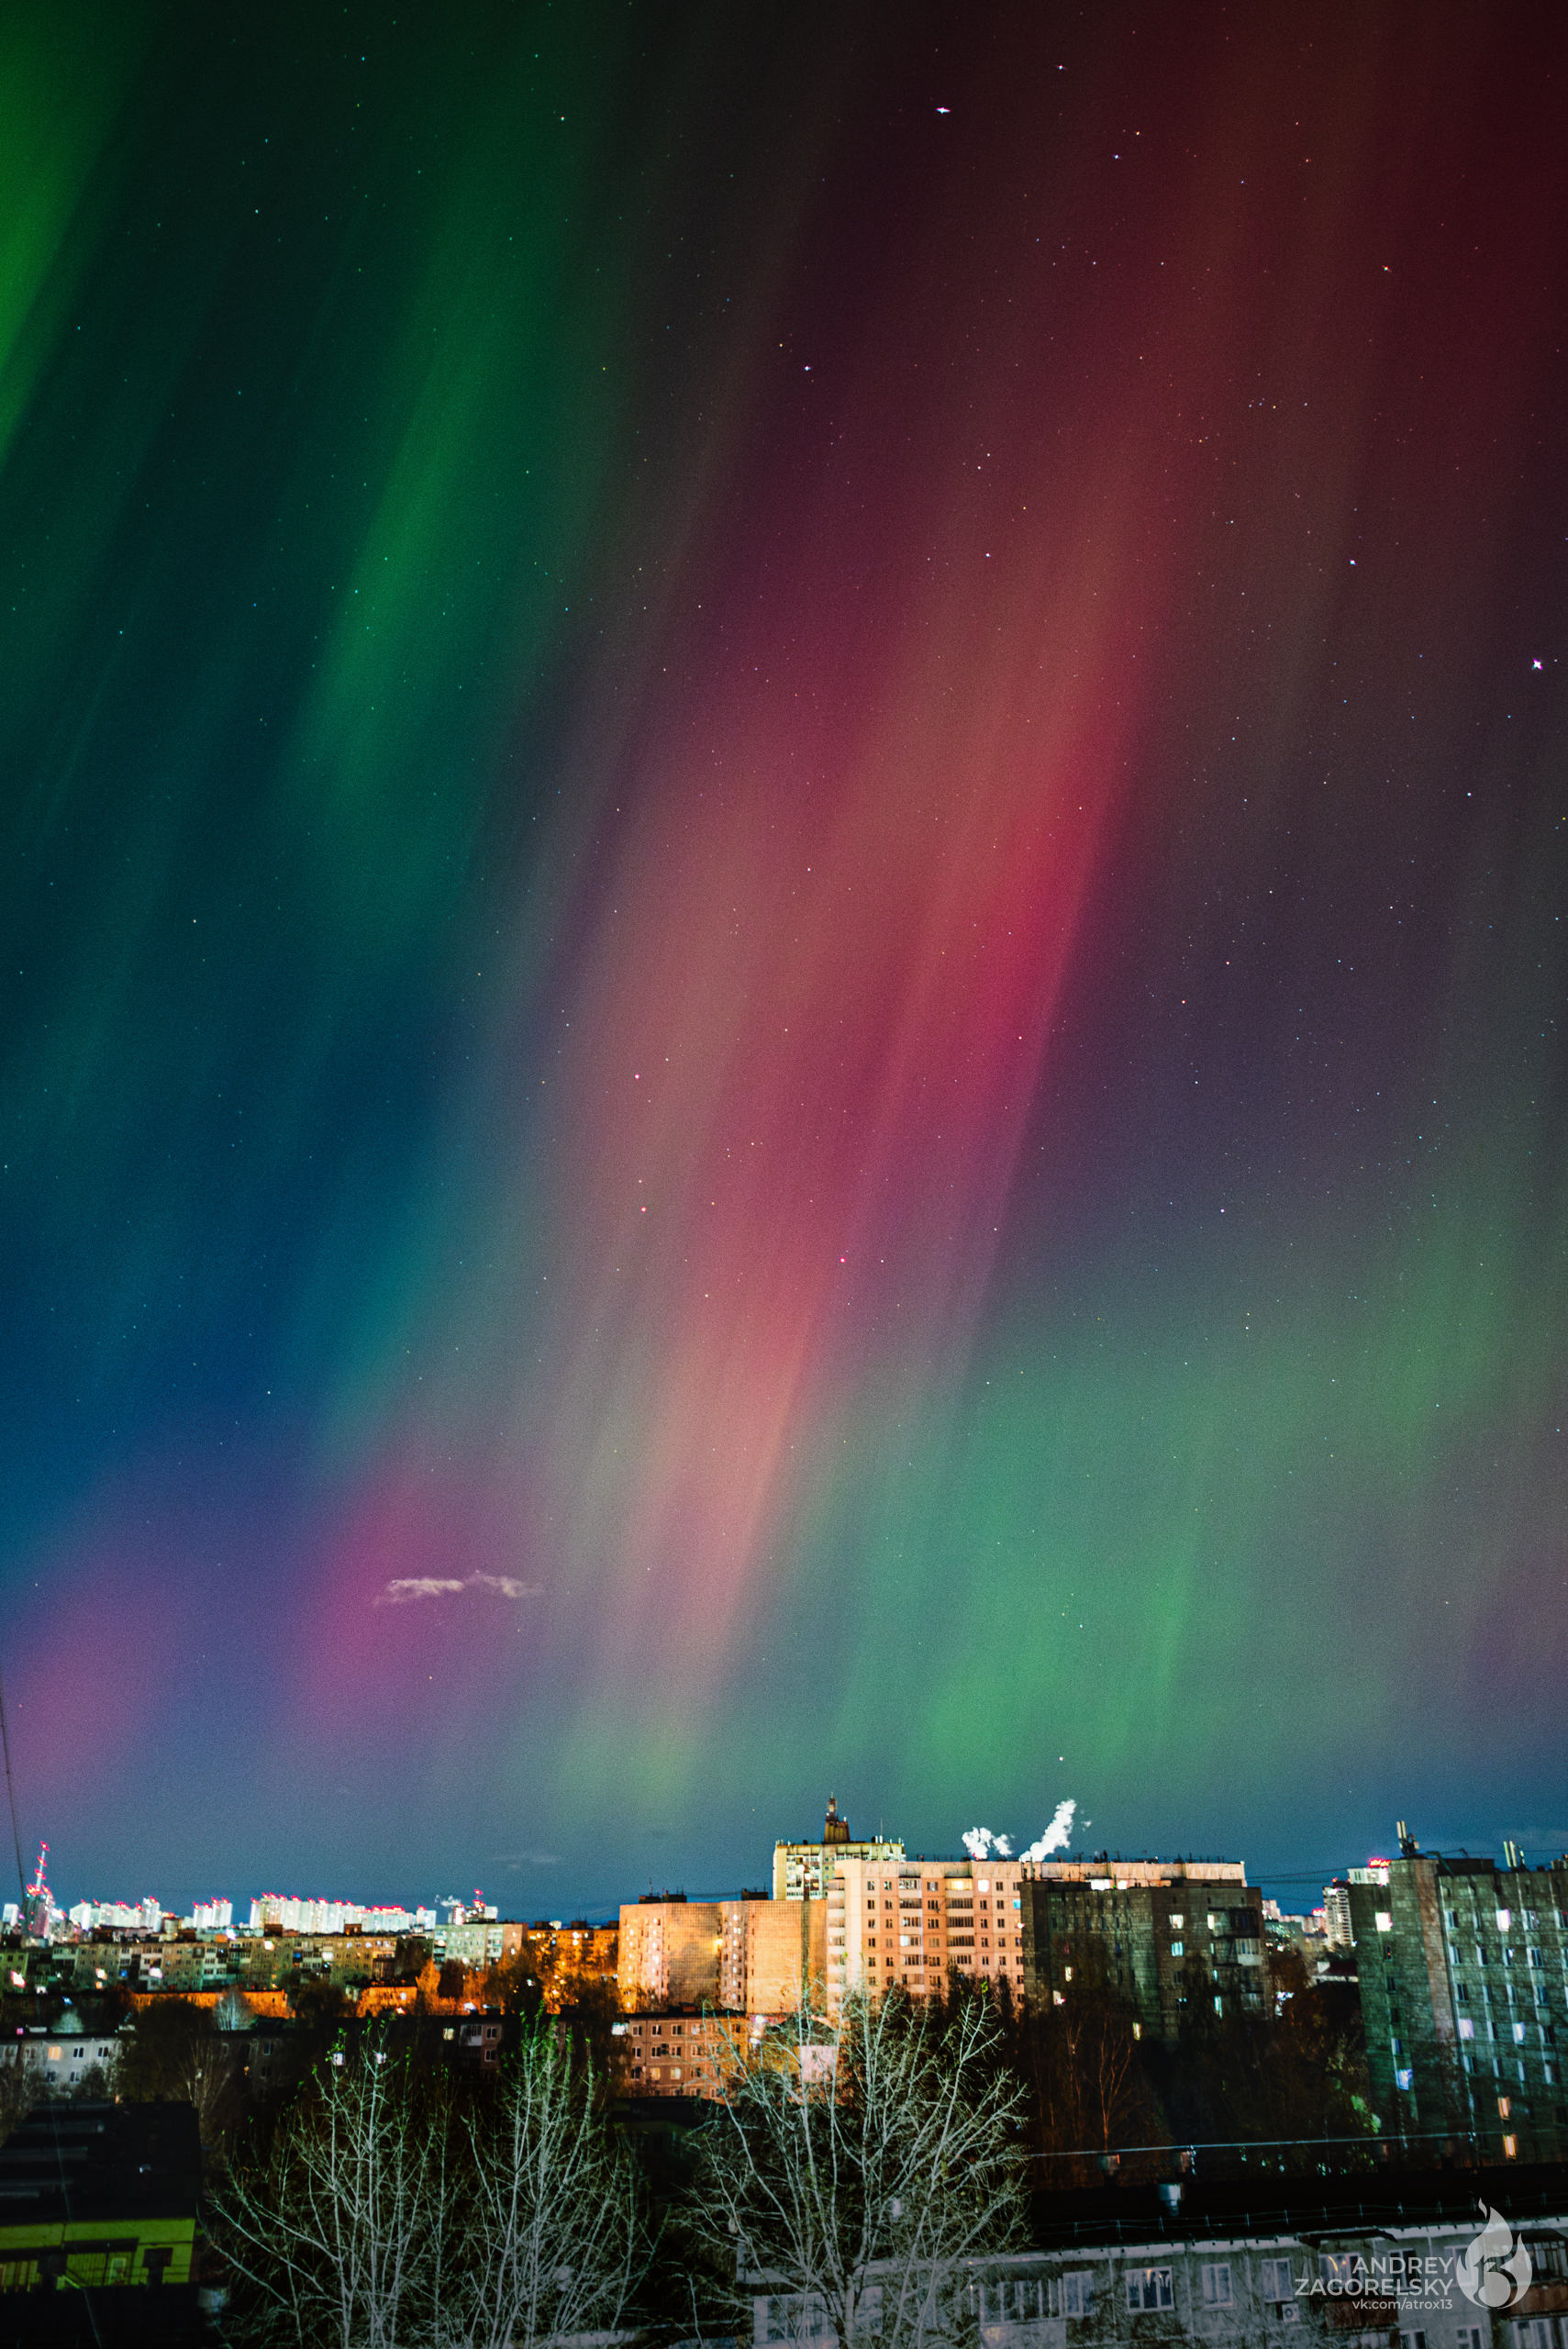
(11, 1791)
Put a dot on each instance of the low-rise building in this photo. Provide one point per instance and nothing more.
(61, 2059)
(680, 2055)
(1336, 2274)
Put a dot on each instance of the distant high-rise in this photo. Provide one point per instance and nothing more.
(803, 1871)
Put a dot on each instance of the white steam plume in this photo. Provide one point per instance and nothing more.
(1057, 1835)
(978, 1840)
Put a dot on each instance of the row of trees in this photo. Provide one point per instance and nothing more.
(857, 2169)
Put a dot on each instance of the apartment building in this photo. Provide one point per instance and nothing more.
(739, 1956)
(907, 1921)
(1236, 2283)
(1169, 1936)
(684, 2055)
(1464, 1975)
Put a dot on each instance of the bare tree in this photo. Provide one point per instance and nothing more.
(342, 2233)
(853, 2172)
(552, 2244)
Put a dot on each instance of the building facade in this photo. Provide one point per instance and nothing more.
(1171, 1937)
(685, 2054)
(1357, 2286)
(1464, 1974)
(907, 1921)
(805, 1871)
(735, 1956)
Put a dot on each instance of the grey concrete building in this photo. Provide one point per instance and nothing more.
(1464, 1974)
(1169, 1936)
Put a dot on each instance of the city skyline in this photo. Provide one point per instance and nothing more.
(785, 852)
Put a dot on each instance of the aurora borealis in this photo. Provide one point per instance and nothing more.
(785, 815)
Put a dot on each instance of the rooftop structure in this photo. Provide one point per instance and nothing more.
(803, 1871)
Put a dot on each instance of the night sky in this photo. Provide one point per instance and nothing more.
(784, 894)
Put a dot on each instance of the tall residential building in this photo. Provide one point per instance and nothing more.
(805, 1871)
(1464, 1975)
(1162, 1933)
(892, 1920)
(1337, 1914)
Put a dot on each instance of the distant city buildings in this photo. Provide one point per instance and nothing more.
(1460, 1966)
(276, 1912)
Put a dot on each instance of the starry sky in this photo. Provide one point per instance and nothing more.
(785, 837)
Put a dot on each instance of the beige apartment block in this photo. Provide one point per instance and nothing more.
(679, 2055)
(907, 1921)
(669, 1954)
(774, 1952)
(737, 1956)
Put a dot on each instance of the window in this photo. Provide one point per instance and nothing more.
(1217, 2286)
(1149, 2288)
(1178, 1949)
(1342, 2270)
(1412, 2340)
(1078, 2292)
(1385, 1921)
(1178, 1920)
(1278, 2282)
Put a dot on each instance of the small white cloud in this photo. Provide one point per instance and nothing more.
(404, 1589)
(410, 1586)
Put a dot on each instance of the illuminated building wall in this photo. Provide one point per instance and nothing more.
(905, 1921)
(669, 1954)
